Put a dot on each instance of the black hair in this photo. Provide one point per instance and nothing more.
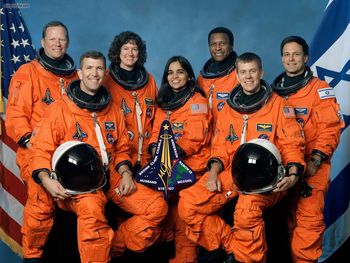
(249, 57)
(92, 54)
(54, 24)
(222, 30)
(124, 38)
(165, 91)
(298, 40)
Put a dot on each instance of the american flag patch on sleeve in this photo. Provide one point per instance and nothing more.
(289, 112)
(199, 108)
(326, 93)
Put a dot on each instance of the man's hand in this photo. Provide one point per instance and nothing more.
(213, 183)
(127, 185)
(286, 183)
(56, 190)
(311, 169)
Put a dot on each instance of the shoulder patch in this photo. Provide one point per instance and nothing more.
(199, 108)
(326, 93)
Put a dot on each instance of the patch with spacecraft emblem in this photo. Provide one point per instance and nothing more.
(125, 107)
(79, 134)
(231, 137)
(47, 99)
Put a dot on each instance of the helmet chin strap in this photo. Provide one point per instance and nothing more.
(100, 142)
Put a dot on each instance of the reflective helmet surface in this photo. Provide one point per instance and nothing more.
(78, 167)
(257, 167)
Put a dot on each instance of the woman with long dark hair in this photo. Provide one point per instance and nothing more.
(184, 105)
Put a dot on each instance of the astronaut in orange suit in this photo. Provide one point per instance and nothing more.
(317, 112)
(133, 90)
(86, 114)
(218, 75)
(253, 112)
(186, 108)
(35, 86)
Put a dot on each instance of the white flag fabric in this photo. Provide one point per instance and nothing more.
(330, 61)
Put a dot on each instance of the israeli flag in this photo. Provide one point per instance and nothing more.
(330, 61)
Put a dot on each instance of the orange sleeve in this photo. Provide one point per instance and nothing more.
(47, 137)
(289, 135)
(123, 144)
(222, 148)
(19, 106)
(328, 123)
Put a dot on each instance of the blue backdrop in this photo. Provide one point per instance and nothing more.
(179, 27)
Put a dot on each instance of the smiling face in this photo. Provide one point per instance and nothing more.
(293, 59)
(249, 75)
(129, 54)
(177, 76)
(91, 75)
(219, 46)
(55, 42)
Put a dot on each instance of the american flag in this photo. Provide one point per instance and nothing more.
(330, 61)
(16, 49)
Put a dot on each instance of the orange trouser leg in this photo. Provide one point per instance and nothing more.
(185, 249)
(248, 242)
(197, 207)
(307, 233)
(22, 161)
(139, 232)
(38, 218)
(94, 235)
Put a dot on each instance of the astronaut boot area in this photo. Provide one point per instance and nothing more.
(230, 258)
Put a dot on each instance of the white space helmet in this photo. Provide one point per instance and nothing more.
(257, 167)
(78, 167)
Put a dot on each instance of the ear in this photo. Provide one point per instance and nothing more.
(262, 72)
(306, 58)
(80, 74)
(42, 42)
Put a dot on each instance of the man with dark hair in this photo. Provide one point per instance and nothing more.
(87, 115)
(253, 112)
(218, 75)
(33, 88)
(317, 112)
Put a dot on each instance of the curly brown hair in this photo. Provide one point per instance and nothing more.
(124, 38)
